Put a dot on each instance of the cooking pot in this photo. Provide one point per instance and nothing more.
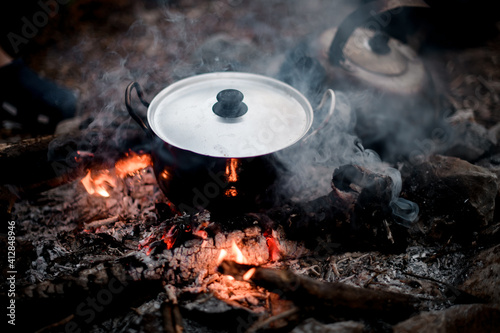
(215, 137)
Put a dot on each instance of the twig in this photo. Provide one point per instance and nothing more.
(377, 273)
(172, 318)
(100, 223)
(460, 297)
(54, 325)
(334, 268)
(261, 324)
(389, 233)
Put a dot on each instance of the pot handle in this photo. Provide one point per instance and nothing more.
(358, 17)
(331, 108)
(128, 103)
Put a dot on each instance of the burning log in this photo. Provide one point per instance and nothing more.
(326, 299)
(58, 160)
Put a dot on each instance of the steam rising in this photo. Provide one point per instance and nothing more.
(164, 45)
(310, 166)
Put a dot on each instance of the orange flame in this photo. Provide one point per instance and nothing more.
(240, 258)
(235, 252)
(98, 184)
(131, 164)
(231, 166)
(222, 256)
(248, 275)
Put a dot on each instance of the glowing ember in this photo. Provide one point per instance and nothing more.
(231, 192)
(165, 174)
(99, 184)
(272, 245)
(80, 155)
(171, 237)
(131, 164)
(231, 166)
(248, 275)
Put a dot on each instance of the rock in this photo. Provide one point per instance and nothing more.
(469, 141)
(484, 276)
(473, 318)
(456, 198)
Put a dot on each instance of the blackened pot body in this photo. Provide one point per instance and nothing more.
(224, 186)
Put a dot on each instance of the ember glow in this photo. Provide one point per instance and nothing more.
(170, 237)
(272, 245)
(165, 174)
(131, 164)
(80, 155)
(99, 184)
(231, 192)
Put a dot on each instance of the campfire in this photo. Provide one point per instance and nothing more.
(360, 197)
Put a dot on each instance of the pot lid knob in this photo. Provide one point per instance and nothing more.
(230, 104)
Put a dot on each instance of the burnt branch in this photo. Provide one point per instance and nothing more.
(326, 299)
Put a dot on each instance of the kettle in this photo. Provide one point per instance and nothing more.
(387, 85)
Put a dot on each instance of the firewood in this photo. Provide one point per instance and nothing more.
(327, 299)
(35, 165)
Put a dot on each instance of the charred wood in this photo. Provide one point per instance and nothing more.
(327, 299)
(35, 165)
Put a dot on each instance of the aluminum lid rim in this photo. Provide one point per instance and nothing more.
(189, 81)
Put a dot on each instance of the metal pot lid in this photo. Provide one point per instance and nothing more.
(230, 115)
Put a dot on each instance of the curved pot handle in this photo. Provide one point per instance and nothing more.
(359, 16)
(128, 103)
(331, 108)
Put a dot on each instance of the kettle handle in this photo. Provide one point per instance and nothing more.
(128, 103)
(331, 108)
(357, 17)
